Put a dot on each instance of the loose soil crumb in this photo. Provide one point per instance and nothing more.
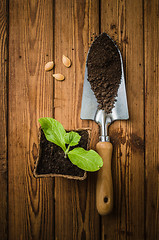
(112, 26)
(52, 160)
(104, 71)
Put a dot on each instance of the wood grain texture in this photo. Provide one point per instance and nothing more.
(151, 36)
(65, 209)
(104, 187)
(3, 116)
(31, 201)
(76, 22)
(127, 219)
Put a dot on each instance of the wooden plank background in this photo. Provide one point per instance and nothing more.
(3, 116)
(33, 33)
(30, 201)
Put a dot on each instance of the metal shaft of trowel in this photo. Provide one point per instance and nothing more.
(104, 121)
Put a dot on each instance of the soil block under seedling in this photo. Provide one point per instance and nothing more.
(51, 161)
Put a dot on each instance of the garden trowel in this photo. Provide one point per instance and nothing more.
(91, 111)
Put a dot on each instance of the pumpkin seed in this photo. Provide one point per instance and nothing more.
(49, 66)
(58, 76)
(66, 61)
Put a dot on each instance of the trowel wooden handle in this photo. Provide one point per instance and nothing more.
(104, 188)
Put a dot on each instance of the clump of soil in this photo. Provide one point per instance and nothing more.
(52, 161)
(104, 71)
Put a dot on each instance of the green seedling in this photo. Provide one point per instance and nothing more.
(55, 133)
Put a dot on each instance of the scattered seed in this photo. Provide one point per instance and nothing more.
(58, 76)
(66, 61)
(49, 66)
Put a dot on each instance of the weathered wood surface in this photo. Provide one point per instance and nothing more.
(40, 31)
(151, 60)
(31, 201)
(76, 216)
(3, 116)
(127, 219)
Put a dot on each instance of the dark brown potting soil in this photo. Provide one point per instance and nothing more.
(52, 160)
(104, 71)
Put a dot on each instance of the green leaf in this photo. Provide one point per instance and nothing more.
(86, 160)
(72, 138)
(54, 131)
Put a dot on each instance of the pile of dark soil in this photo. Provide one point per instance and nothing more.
(104, 71)
(52, 161)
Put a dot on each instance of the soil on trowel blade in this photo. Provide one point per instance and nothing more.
(104, 71)
(52, 160)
